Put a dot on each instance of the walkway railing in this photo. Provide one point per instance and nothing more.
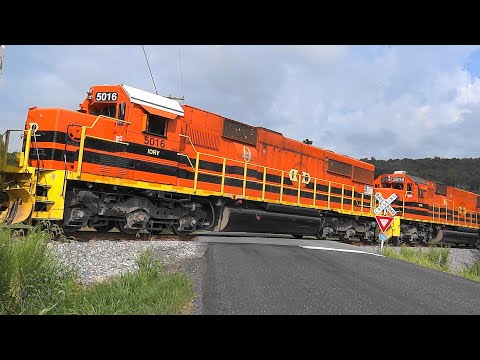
(305, 197)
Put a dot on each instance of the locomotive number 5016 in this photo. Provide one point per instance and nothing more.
(154, 141)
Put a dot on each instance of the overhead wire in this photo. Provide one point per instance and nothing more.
(148, 64)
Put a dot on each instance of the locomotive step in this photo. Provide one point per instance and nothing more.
(42, 201)
(44, 186)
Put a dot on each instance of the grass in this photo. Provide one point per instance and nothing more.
(34, 281)
(435, 258)
(31, 278)
(432, 257)
(472, 273)
(149, 290)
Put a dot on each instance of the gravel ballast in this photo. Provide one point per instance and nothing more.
(98, 260)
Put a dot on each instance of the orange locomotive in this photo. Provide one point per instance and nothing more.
(429, 209)
(139, 161)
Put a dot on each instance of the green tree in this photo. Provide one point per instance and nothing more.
(462, 173)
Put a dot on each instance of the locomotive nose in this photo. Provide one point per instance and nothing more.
(16, 205)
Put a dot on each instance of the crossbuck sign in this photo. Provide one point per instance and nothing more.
(385, 204)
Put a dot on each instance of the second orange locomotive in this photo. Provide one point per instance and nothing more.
(428, 209)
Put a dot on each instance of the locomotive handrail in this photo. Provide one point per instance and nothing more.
(23, 163)
(263, 182)
(453, 212)
(84, 135)
(191, 143)
(107, 118)
(439, 214)
(244, 178)
(185, 155)
(243, 162)
(25, 153)
(473, 221)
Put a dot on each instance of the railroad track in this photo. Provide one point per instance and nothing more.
(440, 244)
(91, 235)
(84, 236)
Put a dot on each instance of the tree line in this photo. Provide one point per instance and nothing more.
(461, 173)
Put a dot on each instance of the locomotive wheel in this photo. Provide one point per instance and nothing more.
(179, 232)
(121, 227)
(438, 235)
(395, 240)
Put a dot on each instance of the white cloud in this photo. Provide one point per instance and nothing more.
(381, 101)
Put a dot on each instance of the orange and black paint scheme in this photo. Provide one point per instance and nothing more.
(138, 161)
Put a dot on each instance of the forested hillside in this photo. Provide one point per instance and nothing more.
(461, 173)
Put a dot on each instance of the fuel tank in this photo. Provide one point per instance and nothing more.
(259, 221)
(460, 237)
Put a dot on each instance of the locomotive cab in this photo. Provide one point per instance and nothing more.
(105, 102)
(397, 183)
(114, 129)
(415, 196)
(408, 188)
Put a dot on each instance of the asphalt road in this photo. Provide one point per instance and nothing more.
(245, 277)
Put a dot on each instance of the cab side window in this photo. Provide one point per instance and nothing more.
(156, 125)
(409, 187)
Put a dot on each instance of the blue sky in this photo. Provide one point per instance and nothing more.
(362, 101)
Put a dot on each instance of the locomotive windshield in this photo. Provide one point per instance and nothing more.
(110, 110)
(393, 182)
(104, 109)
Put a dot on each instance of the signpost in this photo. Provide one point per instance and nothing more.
(384, 221)
(382, 238)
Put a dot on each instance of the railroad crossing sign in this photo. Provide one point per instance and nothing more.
(385, 204)
(384, 222)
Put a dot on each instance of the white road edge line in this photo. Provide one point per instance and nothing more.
(342, 250)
